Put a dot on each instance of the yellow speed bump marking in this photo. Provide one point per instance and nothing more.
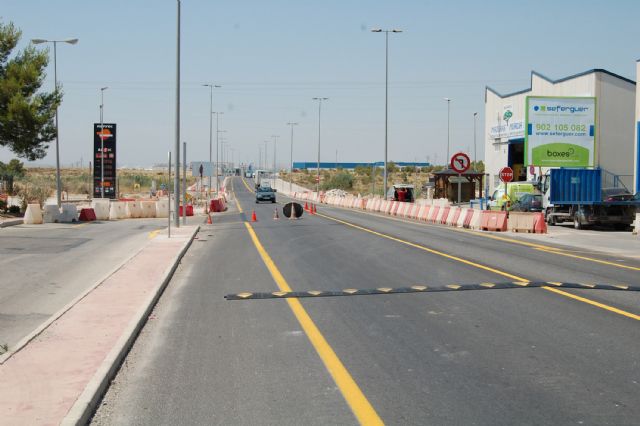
(419, 287)
(358, 402)
(384, 289)
(314, 292)
(350, 290)
(521, 283)
(279, 293)
(623, 287)
(587, 285)
(487, 268)
(554, 283)
(245, 295)
(488, 285)
(453, 286)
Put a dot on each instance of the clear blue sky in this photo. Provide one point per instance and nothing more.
(272, 57)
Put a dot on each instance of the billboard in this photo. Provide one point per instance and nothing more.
(560, 131)
(106, 157)
(207, 168)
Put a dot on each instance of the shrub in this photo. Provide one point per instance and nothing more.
(342, 180)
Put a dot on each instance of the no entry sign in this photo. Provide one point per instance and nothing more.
(506, 174)
(460, 162)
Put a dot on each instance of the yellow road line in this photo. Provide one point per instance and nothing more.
(590, 259)
(361, 407)
(154, 234)
(247, 185)
(486, 268)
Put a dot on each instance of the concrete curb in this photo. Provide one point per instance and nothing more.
(11, 222)
(87, 402)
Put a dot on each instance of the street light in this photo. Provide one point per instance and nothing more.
(291, 159)
(319, 117)
(211, 87)
(448, 127)
(386, 98)
(55, 79)
(217, 148)
(102, 89)
(475, 158)
(275, 139)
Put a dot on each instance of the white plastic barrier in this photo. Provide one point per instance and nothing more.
(51, 214)
(133, 209)
(148, 209)
(69, 213)
(33, 215)
(463, 214)
(161, 208)
(636, 225)
(101, 207)
(452, 214)
(117, 211)
(475, 219)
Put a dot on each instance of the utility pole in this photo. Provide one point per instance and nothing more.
(319, 126)
(275, 140)
(176, 187)
(291, 159)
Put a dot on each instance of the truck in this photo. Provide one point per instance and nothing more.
(576, 195)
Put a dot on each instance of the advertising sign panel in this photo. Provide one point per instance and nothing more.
(560, 131)
(207, 168)
(108, 134)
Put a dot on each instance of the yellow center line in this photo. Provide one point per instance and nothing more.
(361, 407)
(486, 268)
(247, 185)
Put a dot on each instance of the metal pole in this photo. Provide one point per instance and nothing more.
(177, 142)
(459, 188)
(217, 151)
(291, 159)
(210, 134)
(169, 198)
(448, 125)
(275, 140)
(55, 79)
(475, 158)
(184, 183)
(386, 109)
(319, 122)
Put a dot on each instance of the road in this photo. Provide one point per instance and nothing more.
(494, 357)
(45, 267)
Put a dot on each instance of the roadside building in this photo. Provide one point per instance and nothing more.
(614, 125)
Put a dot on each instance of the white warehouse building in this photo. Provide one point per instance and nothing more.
(615, 129)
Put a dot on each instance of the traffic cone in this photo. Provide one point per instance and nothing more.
(313, 209)
(540, 226)
(209, 221)
(275, 214)
(306, 206)
(254, 218)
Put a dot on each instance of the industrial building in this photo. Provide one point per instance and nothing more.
(312, 165)
(615, 131)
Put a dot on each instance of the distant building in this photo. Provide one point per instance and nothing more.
(350, 166)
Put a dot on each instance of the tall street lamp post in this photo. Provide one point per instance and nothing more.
(319, 126)
(291, 159)
(211, 87)
(217, 148)
(275, 140)
(386, 99)
(55, 79)
(176, 181)
(475, 153)
(448, 126)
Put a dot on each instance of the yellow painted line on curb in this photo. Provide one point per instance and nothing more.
(486, 268)
(154, 234)
(361, 407)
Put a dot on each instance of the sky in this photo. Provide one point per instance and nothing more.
(272, 57)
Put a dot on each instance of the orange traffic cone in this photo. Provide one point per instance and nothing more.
(254, 218)
(306, 206)
(313, 209)
(275, 214)
(209, 221)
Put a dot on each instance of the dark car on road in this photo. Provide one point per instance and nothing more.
(528, 203)
(265, 193)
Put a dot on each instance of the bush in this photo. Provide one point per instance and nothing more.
(14, 210)
(342, 180)
(362, 170)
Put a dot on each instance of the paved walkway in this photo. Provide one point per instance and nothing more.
(41, 383)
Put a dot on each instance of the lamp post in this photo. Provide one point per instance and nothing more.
(176, 188)
(211, 86)
(275, 140)
(319, 122)
(55, 79)
(448, 126)
(386, 99)
(475, 153)
(291, 159)
(217, 148)
(102, 89)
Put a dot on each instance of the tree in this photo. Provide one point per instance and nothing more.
(26, 117)
(10, 172)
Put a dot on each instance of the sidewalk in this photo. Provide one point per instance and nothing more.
(59, 376)
(616, 243)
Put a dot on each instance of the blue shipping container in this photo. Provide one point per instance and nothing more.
(576, 186)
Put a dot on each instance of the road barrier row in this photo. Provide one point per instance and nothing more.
(438, 211)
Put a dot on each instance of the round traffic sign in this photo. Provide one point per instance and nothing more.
(460, 162)
(506, 174)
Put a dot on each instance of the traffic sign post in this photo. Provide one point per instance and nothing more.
(506, 176)
(460, 163)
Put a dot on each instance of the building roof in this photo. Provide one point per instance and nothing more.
(571, 77)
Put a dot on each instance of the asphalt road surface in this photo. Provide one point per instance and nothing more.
(45, 267)
(494, 357)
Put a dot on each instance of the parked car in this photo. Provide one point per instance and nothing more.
(265, 193)
(528, 203)
(616, 194)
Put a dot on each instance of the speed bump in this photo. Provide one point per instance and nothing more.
(425, 289)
